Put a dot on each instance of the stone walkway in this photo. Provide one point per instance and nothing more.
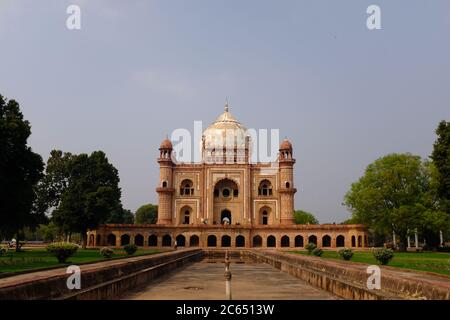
(250, 281)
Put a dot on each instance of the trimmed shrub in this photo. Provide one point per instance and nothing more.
(346, 254)
(444, 249)
(62, 250)
(383, 255)
(130, 249)
(317, 252)
(310, 247)
(3, 251)
(107, 252)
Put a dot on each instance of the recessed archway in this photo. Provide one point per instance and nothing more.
(186, 215)
(212, 241)
(124, 240)
(257, 242)
(167, 241)
(265, 215)
(340, 241)
(326, 241)
(271, 242)
(181, 240)
(240, 241)
(226, 241)
(312, 239)
(139, 240)
(111, 239)
(153, 241)
(285, 242)
(226, 202)
(299, 242)
(225, 216)
(353, 241)
(194, 241)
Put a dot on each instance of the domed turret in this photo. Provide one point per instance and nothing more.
(166, 144)
(286, 145)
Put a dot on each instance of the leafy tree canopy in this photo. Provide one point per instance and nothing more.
(121, 216)
(83, 189)
(303, 217)
(396, 194)
(147, 214)
(20, 171)
(441, 159)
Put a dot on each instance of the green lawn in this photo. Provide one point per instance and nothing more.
(431, 262)
(31, 259)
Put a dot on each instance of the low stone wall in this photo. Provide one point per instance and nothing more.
(106, 281)
(109, 279)
(348, 280)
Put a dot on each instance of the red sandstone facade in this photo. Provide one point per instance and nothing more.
(227, 200)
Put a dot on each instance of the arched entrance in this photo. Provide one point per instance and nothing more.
(340, 241)
(257, 241)
(271, 242)
(226, 198)
(111, 239)
(312, 239)
(139, 240)
(167, 241)
(181, 241)
(212, 241)
(240, 241)
(153, 241)
(194, 241)
(186, 215)
(225, 217)
(326, 241)
(285, 242)
(91, 240)
(226, 241)
(264, 215)
(124, 240)
(298, 241)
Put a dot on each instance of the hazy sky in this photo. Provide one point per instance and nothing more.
(137, 70)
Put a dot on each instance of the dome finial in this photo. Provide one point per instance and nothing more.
(226, 105)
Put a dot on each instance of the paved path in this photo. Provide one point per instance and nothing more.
(205, 281)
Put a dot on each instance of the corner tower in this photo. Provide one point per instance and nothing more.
(165, 189)
(287, 190)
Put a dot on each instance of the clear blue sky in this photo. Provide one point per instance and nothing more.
(137, 70)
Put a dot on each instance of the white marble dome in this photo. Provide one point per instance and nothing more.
(226, 131)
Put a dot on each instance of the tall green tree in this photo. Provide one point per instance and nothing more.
(147, 214)
(121, 216)
(441, 159)
(89, 196)
(20, 171)
(55, 181)
(303, 217)
(392, 195)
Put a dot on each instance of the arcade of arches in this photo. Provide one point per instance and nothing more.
(337, 236)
